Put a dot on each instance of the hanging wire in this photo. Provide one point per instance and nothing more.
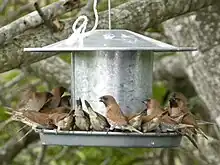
(109, 14)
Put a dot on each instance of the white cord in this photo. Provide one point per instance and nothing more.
(79, 33)
(109, 15)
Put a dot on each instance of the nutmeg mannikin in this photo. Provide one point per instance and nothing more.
(153, 120)
(98, 121)
(82, 120)
(33, 101)
(55, 100)
(178, 106)
(63, 121)
(114, 114)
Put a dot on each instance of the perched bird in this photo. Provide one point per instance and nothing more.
(154, 118)
(55, 110)
(114, 114)
(82, 120)
(33, 119)
(98, 121)
(63, 121)
(178, 107)
(65, 101)
(33, 101)
(136, 120)
(55, 100)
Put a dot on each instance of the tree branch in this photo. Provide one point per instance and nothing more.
(135, 15)
(13, 147)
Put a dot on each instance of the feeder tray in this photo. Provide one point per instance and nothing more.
(120, 63)
(112, 139)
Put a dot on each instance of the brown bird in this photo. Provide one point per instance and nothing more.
(33, 119)
(114, 114)
(136, 120)
(33, 101)
(98, 121)
(82, 120)
(178, 106)
(65, 101)
(55, 110)
(63, 121)
(55, 100)
(155, 116)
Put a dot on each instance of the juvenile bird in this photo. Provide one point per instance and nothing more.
(154, 118)
(33, 119)
(82, 120)
(55, 100)
(178, 107)
(63, 121)
(65, 101)
(98, 121)
(114, 114)
(136, 120)
(55, 110)
(32, 100)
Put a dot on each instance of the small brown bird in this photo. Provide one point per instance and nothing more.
(136, 120)
(155, 115)
(82, 120)
(33, 101)
(55, 100)
(98, 121)
(114, 114)
(55, 110)
(33, 119)
(65, 101)
(63, 121)
(178, 107)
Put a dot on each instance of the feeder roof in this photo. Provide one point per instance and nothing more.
(111, 40)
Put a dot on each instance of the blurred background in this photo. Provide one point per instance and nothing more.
(196, 74)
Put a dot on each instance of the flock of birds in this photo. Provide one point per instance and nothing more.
(52, 110)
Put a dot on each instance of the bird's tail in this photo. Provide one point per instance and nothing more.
(199, 130)
(131, 128)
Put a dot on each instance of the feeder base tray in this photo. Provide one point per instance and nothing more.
(112, 139)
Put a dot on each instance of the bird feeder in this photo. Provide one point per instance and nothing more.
(115, 62)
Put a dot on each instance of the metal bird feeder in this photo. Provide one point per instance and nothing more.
(115, 62)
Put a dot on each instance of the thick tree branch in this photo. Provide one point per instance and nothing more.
(135, 15)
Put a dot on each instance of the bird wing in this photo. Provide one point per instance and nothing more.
(115, 114)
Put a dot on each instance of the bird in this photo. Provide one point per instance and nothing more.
(33, 119)
(32, 100)
(114, 114)
(60, 109)
(63, 121)
(136, 120)
(154, 118)
(65, 101)
(98, 121)
(56, 98)
(178, 106)
(82, 121)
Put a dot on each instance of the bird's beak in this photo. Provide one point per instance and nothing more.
(101, 99)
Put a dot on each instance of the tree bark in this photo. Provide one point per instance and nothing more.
(201, 29)
(136, 15)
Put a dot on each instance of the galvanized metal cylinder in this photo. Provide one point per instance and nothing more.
(126, 75)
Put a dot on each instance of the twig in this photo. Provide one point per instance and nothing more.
(41, 155)
(47, 21)
(3, 6)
